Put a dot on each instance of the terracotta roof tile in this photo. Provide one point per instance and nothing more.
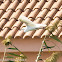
(48, 5)
(31, 5)
(13, 5)
(3, 7)
(39, 11)
(1, 2)
(42, 14)
(12, 32)
(39, 4)
(4, 32)
(51, 23)
(10, 23)
(60, 7)
(22, 5)
(2, 23)
(60, 35)
(16, 14)
(7, 14)
(56, 5)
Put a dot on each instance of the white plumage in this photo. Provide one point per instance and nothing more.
(30, 25)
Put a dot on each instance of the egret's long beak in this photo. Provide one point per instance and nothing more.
(44, 26)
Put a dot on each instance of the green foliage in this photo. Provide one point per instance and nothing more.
(47, 47)
(53, 57)
(15, 54)
(10, 61)
(13, 48)
(55, 38)
(9, 57)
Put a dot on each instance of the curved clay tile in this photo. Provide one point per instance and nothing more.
(19, 34)
(48, 5)
(26, 0)
(46, 33)
(6, 14)
(34, 13)
(1, 1)
(60, 35)
(16, 14)
(2, 23)
(42, 14)
(1, 12)
(60, 7)
(17, 24)
(10, 23)
(22, 5)
(57, 31)
(13, 18)
(4, 32)
(13, 5)
(5, 5)
(26, 12)
(12, 32)
(51, 13)
(39, 32)
(39, 5)
(57, 4)
(30, 5)
(59, 14)
(54, 0)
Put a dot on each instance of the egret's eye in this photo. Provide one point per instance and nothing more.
(23, 26)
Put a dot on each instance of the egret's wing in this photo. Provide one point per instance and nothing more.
(26, 20)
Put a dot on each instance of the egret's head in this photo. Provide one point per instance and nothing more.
(43, 26)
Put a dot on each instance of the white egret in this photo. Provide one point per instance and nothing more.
(30, 25)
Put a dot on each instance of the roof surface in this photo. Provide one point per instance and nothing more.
(38, 11)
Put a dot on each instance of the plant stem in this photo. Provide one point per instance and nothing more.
(40, 49)
(4, 55)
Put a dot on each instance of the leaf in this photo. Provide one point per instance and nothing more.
(14, 54)
(10, 61)
(48, 47)
(39, 59)
(12, 48)
(45, 43)
(55, 38)
(41, 50)
(9, 57)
